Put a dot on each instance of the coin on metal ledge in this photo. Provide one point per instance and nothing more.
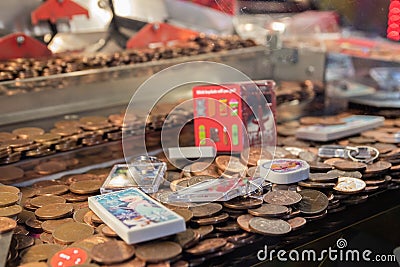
(282, 197)
(349, 185)
(243, 221)
(54, 211)
(272, 227)
(312, 201)
(297, 222)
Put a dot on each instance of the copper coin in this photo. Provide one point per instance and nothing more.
(185, 237)
(204, 168)
(229, 227)
(207, 246)
(41, 201)
(27, 132)
(24, 241)
(158, 251)
(312, 201)
(10, 173)
(243, 221)
(96, 219)
(349, 185)
(54, 211)
(72, 197)
(7, 224)
(282, 197)
(319, 167)
(71, 232)
(47, 137)
(34, 225)
(372, 182)
(39, 252)
(269, 226)
(250, 156)
(5, 136)
(349, 165)
(85, 187)
(212, 220)
(185, 213)
(87, 218)
(45, 183)
(323, 177)
(269, 210)
(206, 210)
(46, 238)
(243, 203)
(8, 199)
(35, 264)
(230, 164)
(9, 189)
(81, 177)
(67, 124)
(80, 214)
(107, 231)
(332, 161)
(28, 192)
(90, 242)
(136, 262)
(204, 230)
(10, 211)
(50, 167)
(50, 225)
(378, 167)
(297, 222)
(93, 120)
(112, 252)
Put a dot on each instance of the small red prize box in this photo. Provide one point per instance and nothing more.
(233, 116)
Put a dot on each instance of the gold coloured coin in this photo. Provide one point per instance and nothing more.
(54, 211)
(7, 225)
(85, 187)
(27, 132)
(10, 211)
(41, 201)
(8, 199)
(112, 252)
(158, 251)
(71, 232)
(50, 225)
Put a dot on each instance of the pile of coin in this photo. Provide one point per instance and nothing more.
(68, 135)
(53, 209)
(20, 69)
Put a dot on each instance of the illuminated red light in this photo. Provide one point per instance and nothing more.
(393, 31)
